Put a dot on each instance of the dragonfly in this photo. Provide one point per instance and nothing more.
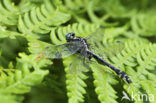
(85, 47)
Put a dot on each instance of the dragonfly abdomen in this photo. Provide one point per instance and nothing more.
(119, 72)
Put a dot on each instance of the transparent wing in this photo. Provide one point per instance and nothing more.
(109, 49)
(79, 65)
(101, 48)
(61, 51)
(96, 37)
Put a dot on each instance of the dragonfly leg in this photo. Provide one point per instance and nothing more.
(85, 63)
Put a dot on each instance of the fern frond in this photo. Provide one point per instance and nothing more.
(20, 80)
(149, 87)
(9, 98)
(146, 59)
(14, 82)
(144, 23)
(76, 5)
(141, 56)
(78, 9)
(103, 88)
(27, 61)
(75, 84)
(35, 1)
(58, 35)
(4, 33)
(8, 12)
(41, 19)
(106, 10)
(26, 5)
(141, 85)
(113, 32)
(127, 56)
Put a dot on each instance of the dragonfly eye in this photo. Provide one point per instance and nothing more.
(73, 34)
(70, 36)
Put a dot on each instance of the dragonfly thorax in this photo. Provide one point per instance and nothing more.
(70, 37)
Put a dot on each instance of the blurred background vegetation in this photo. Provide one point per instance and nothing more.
(25, 78)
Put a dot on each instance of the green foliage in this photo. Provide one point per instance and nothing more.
(40, 19)
(19, 80)
(28, 26)
(8, 12)
(103, 86)
(142, 25)
(75, 85)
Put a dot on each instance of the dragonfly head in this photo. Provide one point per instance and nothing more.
(70, 36)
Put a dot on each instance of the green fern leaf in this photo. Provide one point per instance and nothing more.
(103, 88)
(142, 25)
(147, 59)
(127, 56)
(8, 12)
(26, 5)
(141, 56)
(9, 98)
(34, 1)
(147, 63)
(4, 33)
(75, 84)
(19, 81)
(40, 19)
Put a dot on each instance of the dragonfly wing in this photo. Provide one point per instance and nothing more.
(95, 39)
(97, 44)
(109, 49)
(98, 35)
(61, 51)
(78, 65)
